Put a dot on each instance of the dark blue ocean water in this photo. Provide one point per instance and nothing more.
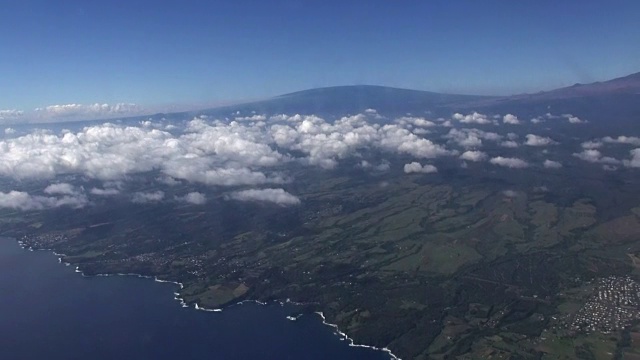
(47, 311)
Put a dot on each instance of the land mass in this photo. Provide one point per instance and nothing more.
(467, 262)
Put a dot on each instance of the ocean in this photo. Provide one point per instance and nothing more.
(48, 311)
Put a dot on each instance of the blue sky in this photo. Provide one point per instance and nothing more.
(156, 53)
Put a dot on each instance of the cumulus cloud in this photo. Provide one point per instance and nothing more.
(573, 119)
(595, 156)
(473, 156)
(383, 166)
(591, 144)
(24, 201)
(509, 162)
(635, 159)
(10, 114)
(277, 196)
(590, 155)
(251, 118)
(535, 140)
(400, 140)
(60, 188)
(420, 131)
(416, 167)
(195, 198)
(509, 144)
(215, 155)
(464, 139)
(471, 138)
(90, 110)
(550, 164)
(104, 192)
(510, 119)
(326, 143)
(629, 140)
(415, 121)
(210, 152)
(168, 180)
(473, 118)
(9, 131)
(147, 197)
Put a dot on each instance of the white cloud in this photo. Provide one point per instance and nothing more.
(509, 144)
(591, 144)
(473, 156)
(383, 166)
(9, 131)
(168, 180)
(550, 164)
(209, 152)
(109, 152)
(23, 201)
(509, 162)
(104, 192)
(537, 120)
(416, 167)
(420, 131)
(630, 140)
(147, 197)
(595, 156)
(90, 110)
(395, 139)
(464, 138)
(590, 155)
(195, 198)
(471, 138)
(510, 119)
(60, 188)
(416, 121)
(278, 196)
(510, 193)
(535, 140)
(252, 118)
(573, 119)
(473, 118)
(10, 114)
(635, 159)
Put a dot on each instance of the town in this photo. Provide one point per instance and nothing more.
(614, 306)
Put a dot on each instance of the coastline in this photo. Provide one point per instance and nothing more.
(352, 343)
(338, 332)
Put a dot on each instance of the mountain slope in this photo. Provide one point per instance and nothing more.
(613, 101)
(629, 85)
(616, 100)
(351, 99)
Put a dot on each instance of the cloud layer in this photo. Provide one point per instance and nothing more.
(277, 196)
(509, 162)
(89, 111)
(23, 201)
(416, 167)
(253, 152)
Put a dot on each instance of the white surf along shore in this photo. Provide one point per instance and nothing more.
(343, 336)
